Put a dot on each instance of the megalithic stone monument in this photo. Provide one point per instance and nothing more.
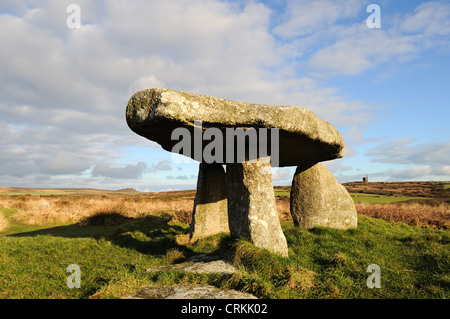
(301, 139)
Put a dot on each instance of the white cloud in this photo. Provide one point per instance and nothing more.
(307, 17)
(145, 82)
(429, 18)
(361, 49)
(336, 166)
(182, 177)
(417, 173)
(352, 138)
(129, 171)
(442, 170)
(19, 168)
(335, 48)
(411, 173)
(402, 152)
(64, 163)
(281, 174)
(162, 166)
(64, 91)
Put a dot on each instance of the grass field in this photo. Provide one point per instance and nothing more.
(373, 198)
(322, 263)
(114, 239)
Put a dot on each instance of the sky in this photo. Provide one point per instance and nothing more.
(64, 89)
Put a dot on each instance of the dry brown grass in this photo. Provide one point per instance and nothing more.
(35, 210)
(44, 210)
(414, 214)
(435, 216)
(3, 222)
(407, 189)
(300, 278)
(283, 208)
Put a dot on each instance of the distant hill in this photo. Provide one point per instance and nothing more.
(436, 190)
(5, 190)
(439, 191)
(127, 190)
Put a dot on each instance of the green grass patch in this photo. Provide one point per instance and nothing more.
(328, 263)
(282, 193)
(112, 259)
(14, 226)
(322, 263)
(373, 198)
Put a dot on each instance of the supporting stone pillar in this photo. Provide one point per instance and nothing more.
(251, 206)
(317, 199)
(210, 215)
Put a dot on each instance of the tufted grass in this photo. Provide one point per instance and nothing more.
(329, 263)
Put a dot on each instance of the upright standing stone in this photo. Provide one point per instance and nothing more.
(210, 215)
(317, 199)
(251, 206)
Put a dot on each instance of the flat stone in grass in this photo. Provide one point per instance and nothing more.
(189, 291)
(202, 263)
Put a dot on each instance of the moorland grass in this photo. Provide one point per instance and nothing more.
(363, 197)
(322, 263)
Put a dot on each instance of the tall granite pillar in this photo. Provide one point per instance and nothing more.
(210, 214)
(251, 206)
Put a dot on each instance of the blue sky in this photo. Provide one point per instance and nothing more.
(63, 92)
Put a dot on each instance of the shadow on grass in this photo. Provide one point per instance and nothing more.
(151, 235)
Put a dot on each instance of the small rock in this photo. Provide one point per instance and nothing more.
(43, 205)
(203, 263)
(189, 291)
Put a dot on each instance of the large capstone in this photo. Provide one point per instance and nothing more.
(301, 136)
(210, 215)
(317, 199)
(251, 205)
